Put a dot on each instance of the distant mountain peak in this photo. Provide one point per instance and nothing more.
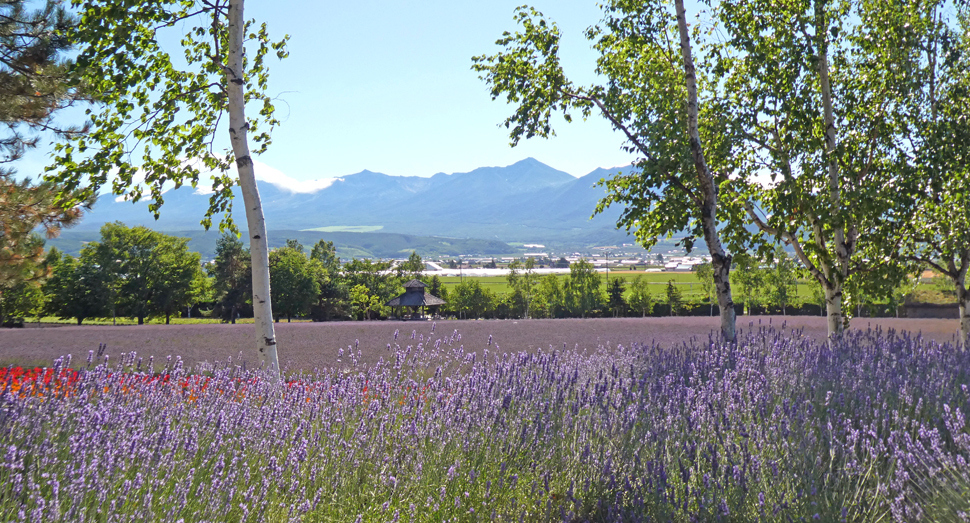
(522, 201)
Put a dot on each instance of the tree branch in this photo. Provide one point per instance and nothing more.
(931, 263)
(178, 19)
(633, 139)
(789, 238)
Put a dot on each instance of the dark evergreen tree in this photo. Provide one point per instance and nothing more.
(617, 304)
(674, 298)
(34, 81)
(33, 86)
(233, 277)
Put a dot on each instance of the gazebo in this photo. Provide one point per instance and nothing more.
(415, 297)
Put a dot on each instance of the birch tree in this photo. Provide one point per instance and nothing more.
(817, 89)
(652, 98)
(159, 118)
(937, 232)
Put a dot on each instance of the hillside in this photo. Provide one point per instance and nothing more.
(348, 244)
(524, 202)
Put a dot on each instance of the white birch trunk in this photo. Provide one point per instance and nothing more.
(963, 297)
(833, 309)
(959, 277)
(843, 247)
(720, 260)
(258, 247)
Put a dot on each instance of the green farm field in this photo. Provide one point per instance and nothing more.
(687, 282)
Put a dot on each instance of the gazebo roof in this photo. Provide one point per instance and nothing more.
(415, 296)
(415, 299)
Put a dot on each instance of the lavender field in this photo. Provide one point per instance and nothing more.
(777, 428)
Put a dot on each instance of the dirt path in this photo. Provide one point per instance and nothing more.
(309, 345)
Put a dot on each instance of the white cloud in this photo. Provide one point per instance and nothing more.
(278, 178)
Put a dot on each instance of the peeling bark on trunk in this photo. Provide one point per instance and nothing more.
(963, 297)
(833, 310)
(965, 321)
(844, 243)
(720, 260)
(258, 247)
(722, 280)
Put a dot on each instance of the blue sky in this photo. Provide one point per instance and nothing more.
(387, 86)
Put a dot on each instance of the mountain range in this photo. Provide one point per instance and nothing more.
(524, 202)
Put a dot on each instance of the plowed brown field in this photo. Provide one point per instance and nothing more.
(309, 345)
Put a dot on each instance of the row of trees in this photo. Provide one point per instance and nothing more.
(131, 272)
(836, 127)
(139, 273)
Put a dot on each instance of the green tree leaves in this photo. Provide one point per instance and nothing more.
(34, 87)
(148, 273)
(934, 228)
(651, 97)
(157, 114)
(582, 291)
(817, 98)
(333, 298)
(674, 299)
(34, 79)
(294, 281)
(640, 299)
(470, 300)
(78, 289)
(412, 268)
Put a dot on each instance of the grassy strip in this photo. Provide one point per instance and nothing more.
(687, 282)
